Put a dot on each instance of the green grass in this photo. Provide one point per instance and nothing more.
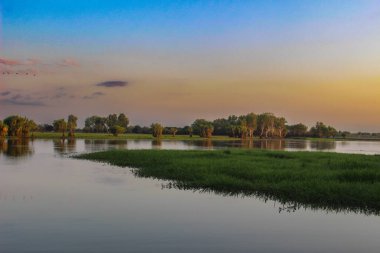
(53, 135)
(313, 179)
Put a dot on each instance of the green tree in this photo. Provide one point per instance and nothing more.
(251, 119)
(297, 130)
(280, 125)
(116, 130)
(331, 132)
(157, 129)
(320, 130)
(242, 127)
(111, 121)
(265, 124)
(29, 126)
(173, 131)
(122, 120)
(3, 129)
(95, 124)
(188, 130)
(15, 124)
(71, 124)
(221, 127)
(60, 126)
(117, 120)
(233, 125)
(19, 127)
(203, 128)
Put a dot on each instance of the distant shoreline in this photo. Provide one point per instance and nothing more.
(132, 136)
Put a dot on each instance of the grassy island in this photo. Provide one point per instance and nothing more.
(315, 179)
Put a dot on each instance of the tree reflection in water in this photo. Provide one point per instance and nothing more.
(156, 143)
(62, 146)
(207, 143)
(103, 144)
(16, 147)
(323, 145)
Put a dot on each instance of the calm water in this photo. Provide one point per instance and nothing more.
(51, 203)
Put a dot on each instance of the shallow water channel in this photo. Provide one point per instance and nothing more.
(52, 203)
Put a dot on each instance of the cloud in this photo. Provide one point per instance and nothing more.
(33, 66)
(16, 97)
(112, 84)
(68, 62)
(10, 62)
(13, 62)
(19, 99)
(94, 95)
(98, 93)
(12, 101)
(32, 61)
(5, 93)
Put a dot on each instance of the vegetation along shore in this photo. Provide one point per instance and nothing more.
(265, 125)
(314, 179)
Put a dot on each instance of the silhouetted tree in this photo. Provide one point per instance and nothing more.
(173, 131)
(157, 129)
(116, 130)
(203, 128)
(60, 125)
(71, 124)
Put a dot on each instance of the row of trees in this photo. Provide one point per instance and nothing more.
(16, 126)
(244, 126)
(265, 125)
(113, 123)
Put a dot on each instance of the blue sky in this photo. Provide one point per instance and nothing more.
(172, 53)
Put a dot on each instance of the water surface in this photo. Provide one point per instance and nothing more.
(51, 203)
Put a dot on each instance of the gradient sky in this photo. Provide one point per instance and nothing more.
(174, 61)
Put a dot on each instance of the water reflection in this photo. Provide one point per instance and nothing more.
(323, 145)
(24, 147)
(208, 144)
(63, 147)
(157, 143)
(50, 204)
(96, 145)
(285, 205)
(16, 147)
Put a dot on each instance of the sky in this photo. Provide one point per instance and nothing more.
(175, 61)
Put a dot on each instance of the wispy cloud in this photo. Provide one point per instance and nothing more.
(32, 61)
(33, 66)
(10, 62)
(68, 62)
(14, 62)
(5, 93)
(21, 102)
(94, 95)
(112, 84)
(98, 93)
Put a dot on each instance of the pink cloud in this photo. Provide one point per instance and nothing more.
(10, 62)
(69, 62)
(32, 61)
(33, 66)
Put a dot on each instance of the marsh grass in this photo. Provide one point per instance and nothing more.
(314, 179)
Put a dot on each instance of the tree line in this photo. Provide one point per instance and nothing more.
(265, 125)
